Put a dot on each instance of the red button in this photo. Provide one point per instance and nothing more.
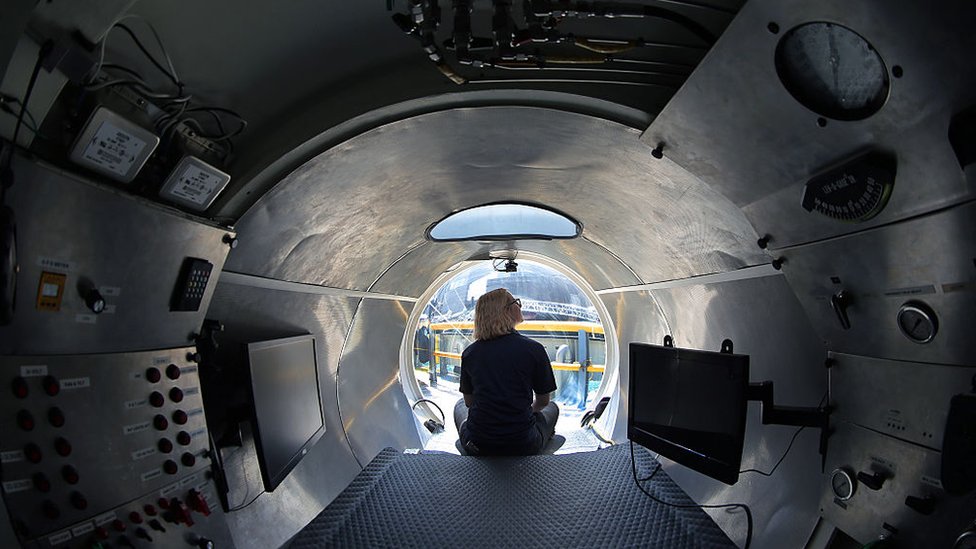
(51, 510)
(156, 399)
(165, 445)
(149, 509)
(19, 387)
(63, 447)
(51, 385)
(183, 438)
(173, 371)
(33, 453)
(118, 525)
(41, 482)
(170, 467)
(69, 474)
(160, 422)
(25, 420)
(188, 459)
(79, 501)
(163, 503)
(176, 394)
(153, 375)
(101, 532)
(56, 417)
(135, 517)
(179, 417)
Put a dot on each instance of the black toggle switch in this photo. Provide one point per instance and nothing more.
(839, 302)
(873, 481)
(924, 505)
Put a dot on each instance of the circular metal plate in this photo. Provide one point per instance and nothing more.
(917, 321)
(832, 71)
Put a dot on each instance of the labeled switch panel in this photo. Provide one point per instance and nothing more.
(88, 436)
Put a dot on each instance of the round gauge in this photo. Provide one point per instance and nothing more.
(918, 322)
(966, 540)
(832, 71)
(842, 484)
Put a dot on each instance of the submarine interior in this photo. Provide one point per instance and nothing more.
(226, 226)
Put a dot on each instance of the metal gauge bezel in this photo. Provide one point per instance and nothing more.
(844, 474)
(925, 313)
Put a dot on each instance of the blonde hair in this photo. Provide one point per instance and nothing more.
(491, 318)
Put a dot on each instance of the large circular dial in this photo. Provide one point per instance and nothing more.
(832, 71)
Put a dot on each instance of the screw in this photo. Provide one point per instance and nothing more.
(764, 241)
(778, 263)
(230, 240)
(658, 151)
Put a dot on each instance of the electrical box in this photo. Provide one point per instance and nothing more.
(113, 146)
(194, 183)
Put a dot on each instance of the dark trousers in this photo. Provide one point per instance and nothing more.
(545, 422)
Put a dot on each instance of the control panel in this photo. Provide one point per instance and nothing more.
(886, 474)
(107, 450)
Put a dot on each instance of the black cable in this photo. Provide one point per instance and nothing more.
(788, 447)
(443, 417)
(633, 465)
(651, 476)
(773, 470)
(240, 507)
(149, 56)
(7, 177)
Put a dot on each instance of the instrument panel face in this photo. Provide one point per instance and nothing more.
(87, 435)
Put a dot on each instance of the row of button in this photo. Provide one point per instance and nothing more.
(34, 455)
(52, 511)
(49, 384)
(25, 419)
(158, 400)
(172, 371)
(68, 473)
(160, 422)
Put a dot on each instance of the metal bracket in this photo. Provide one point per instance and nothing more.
(791, 415)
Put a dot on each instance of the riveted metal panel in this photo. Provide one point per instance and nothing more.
(374, 408)
(345, 216)
(911, 470)
(906, 400)
(129, 249)
(928, 259)
(734, 125)
(764, 320)
(254, 314)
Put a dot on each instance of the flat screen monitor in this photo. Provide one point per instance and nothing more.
(288, 417)
(689, 406)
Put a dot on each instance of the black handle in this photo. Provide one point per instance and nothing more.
(871, 480)
(839, 302)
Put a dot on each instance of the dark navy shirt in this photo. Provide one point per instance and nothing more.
(503, 374)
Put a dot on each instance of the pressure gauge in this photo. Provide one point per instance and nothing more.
(918, 322)
(842, 484)
(966, 540)
(832, 71)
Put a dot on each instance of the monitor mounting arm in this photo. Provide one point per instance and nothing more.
(791, 415)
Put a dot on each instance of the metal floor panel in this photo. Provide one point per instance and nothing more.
(585, 499)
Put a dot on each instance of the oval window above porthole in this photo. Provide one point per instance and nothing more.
(504, 221)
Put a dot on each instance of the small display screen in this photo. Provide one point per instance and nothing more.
(287, 404)
(690, 406)
(50, 290)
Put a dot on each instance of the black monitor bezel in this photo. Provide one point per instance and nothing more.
(271, 481)
(725, 472)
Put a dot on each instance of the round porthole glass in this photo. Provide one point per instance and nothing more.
(832, 70)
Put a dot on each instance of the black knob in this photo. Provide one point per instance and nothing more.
(176, 394)
(160, 422)
(79, 501)
(33, 453)
(25, 420)
(180, 417)
(188, 459)
(153, 375)
(924, 505)
(873, 481)
(170, 467)
(51, 385)
(69, 474)
(156, 399)
(41, 482)
(94, 301)
(19, 387)
(173, 371)
(204, 543)
(165, 445)
(51, 510)
(183, 438)
(56, 417)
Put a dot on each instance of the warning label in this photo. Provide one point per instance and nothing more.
(196, 185)
(113, 149)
